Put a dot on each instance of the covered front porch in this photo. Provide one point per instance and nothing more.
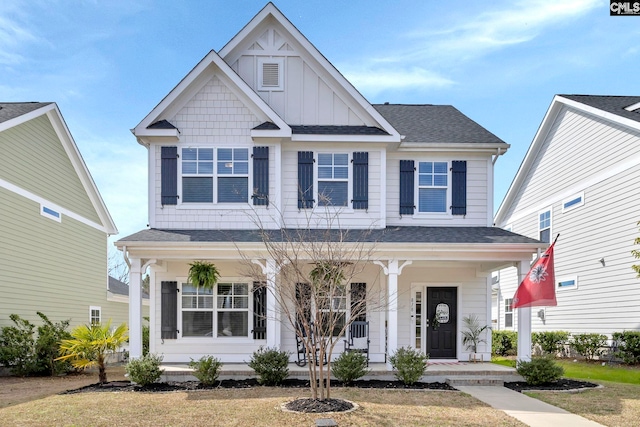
(421, 283)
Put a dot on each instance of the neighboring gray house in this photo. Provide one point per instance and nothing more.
(268, 131)
(580, 179)
(118, 300)
(53, 222)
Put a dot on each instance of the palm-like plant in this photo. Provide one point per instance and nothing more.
(91, 344)
(471, 336)
(203, 274)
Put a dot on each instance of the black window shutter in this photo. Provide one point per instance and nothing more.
(360, 181)
(359, 301)
(459, 187)
(169, 172)
(259, 311)
(305, 179)
(260, 176)
(169, 310)
(407, 176)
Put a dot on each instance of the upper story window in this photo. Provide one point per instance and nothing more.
(333, 179)
(544, 226)
(230, 175)
(573, 202)
(433, 179)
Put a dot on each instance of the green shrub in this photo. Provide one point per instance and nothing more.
(206, 370)
(350, 366)
(146, 370)
(504, 343)
(145, 338)
(589, 345)
(24, 354)
(541, 370)
(628, 346)
(409, 364)
(550, 342)
(271, 365)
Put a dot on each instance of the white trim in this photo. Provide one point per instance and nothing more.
(26, 117)
(575, 205)
(573, 279)
(42, 201)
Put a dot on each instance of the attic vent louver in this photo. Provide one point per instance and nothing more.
(270, 74)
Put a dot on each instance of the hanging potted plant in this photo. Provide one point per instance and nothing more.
(203, 274)
(471, 337)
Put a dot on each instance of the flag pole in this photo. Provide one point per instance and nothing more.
(554, 241)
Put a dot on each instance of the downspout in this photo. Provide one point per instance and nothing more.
(495, 158)
(126, 258)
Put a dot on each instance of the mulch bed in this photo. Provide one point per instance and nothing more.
(562, 384)
(122, 386)
(316, 406)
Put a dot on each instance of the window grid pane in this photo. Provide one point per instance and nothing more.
(233, 309)
(433, 181)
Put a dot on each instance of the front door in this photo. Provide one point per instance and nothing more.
(441, 315)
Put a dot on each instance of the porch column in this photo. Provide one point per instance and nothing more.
(135, 309)
(392, 310)
(524, 319)
(273, 310)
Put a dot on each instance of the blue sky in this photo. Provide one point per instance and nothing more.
(108, 63)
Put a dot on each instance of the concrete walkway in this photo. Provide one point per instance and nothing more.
(530, 411)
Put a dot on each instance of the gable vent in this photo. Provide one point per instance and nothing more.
(270, 73)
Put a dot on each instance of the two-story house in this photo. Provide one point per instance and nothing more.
(267, 134)
(53, 223)
(579, 179)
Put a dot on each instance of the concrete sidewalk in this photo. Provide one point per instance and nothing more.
(530, 411)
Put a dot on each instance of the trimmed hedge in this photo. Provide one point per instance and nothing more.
(551, 342)
(628, 346)
(504, 343)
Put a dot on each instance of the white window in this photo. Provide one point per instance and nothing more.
(573, 202)
(333, 179)
(433, 184)
(333, 310)
(544, 226)
(50, 213)
(228, 317)
(95, 315)
(567, 283)
(508, 313)
(271, 74)
(231, 175)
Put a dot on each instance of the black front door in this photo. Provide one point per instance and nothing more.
(442, 308)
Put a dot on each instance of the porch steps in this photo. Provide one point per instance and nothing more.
(475, 380)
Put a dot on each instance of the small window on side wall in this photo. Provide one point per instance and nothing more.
(564, 283)
(95, 315)
(50, 213)
(508, 313)
(544, 226)
(573, 202)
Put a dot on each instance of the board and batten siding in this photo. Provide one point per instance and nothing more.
(607, 297)
(214, 117)
(477, 192)
(321, 216)
(308, 97)
(58, 268)
(34, 159)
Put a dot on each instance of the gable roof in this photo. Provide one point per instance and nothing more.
(608, 108)
(18, 113)
(435, 124)
(11, 110)
(271, 12)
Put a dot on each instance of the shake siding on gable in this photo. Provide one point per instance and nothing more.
(34, 159)
(53, 262)
(477, 181)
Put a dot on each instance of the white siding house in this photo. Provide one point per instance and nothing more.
(267, 135)
(579, 179)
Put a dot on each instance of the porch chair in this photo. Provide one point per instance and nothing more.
(302, 351)
(358, 338)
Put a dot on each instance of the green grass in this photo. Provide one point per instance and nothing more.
(588, 371)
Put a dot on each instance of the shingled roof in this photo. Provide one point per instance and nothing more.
(434, 124)
(388, 235)
(11, 110)
(120, 288)
(610, 104)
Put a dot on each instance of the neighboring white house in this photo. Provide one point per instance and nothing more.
(262, 130)
(580, 179)
(53, 223)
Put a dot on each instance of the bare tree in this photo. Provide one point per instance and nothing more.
(315, 269)
(117, 267)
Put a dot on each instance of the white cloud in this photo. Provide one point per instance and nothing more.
(374, 81)
(14, 34)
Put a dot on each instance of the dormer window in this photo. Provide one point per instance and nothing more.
(270, 74)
